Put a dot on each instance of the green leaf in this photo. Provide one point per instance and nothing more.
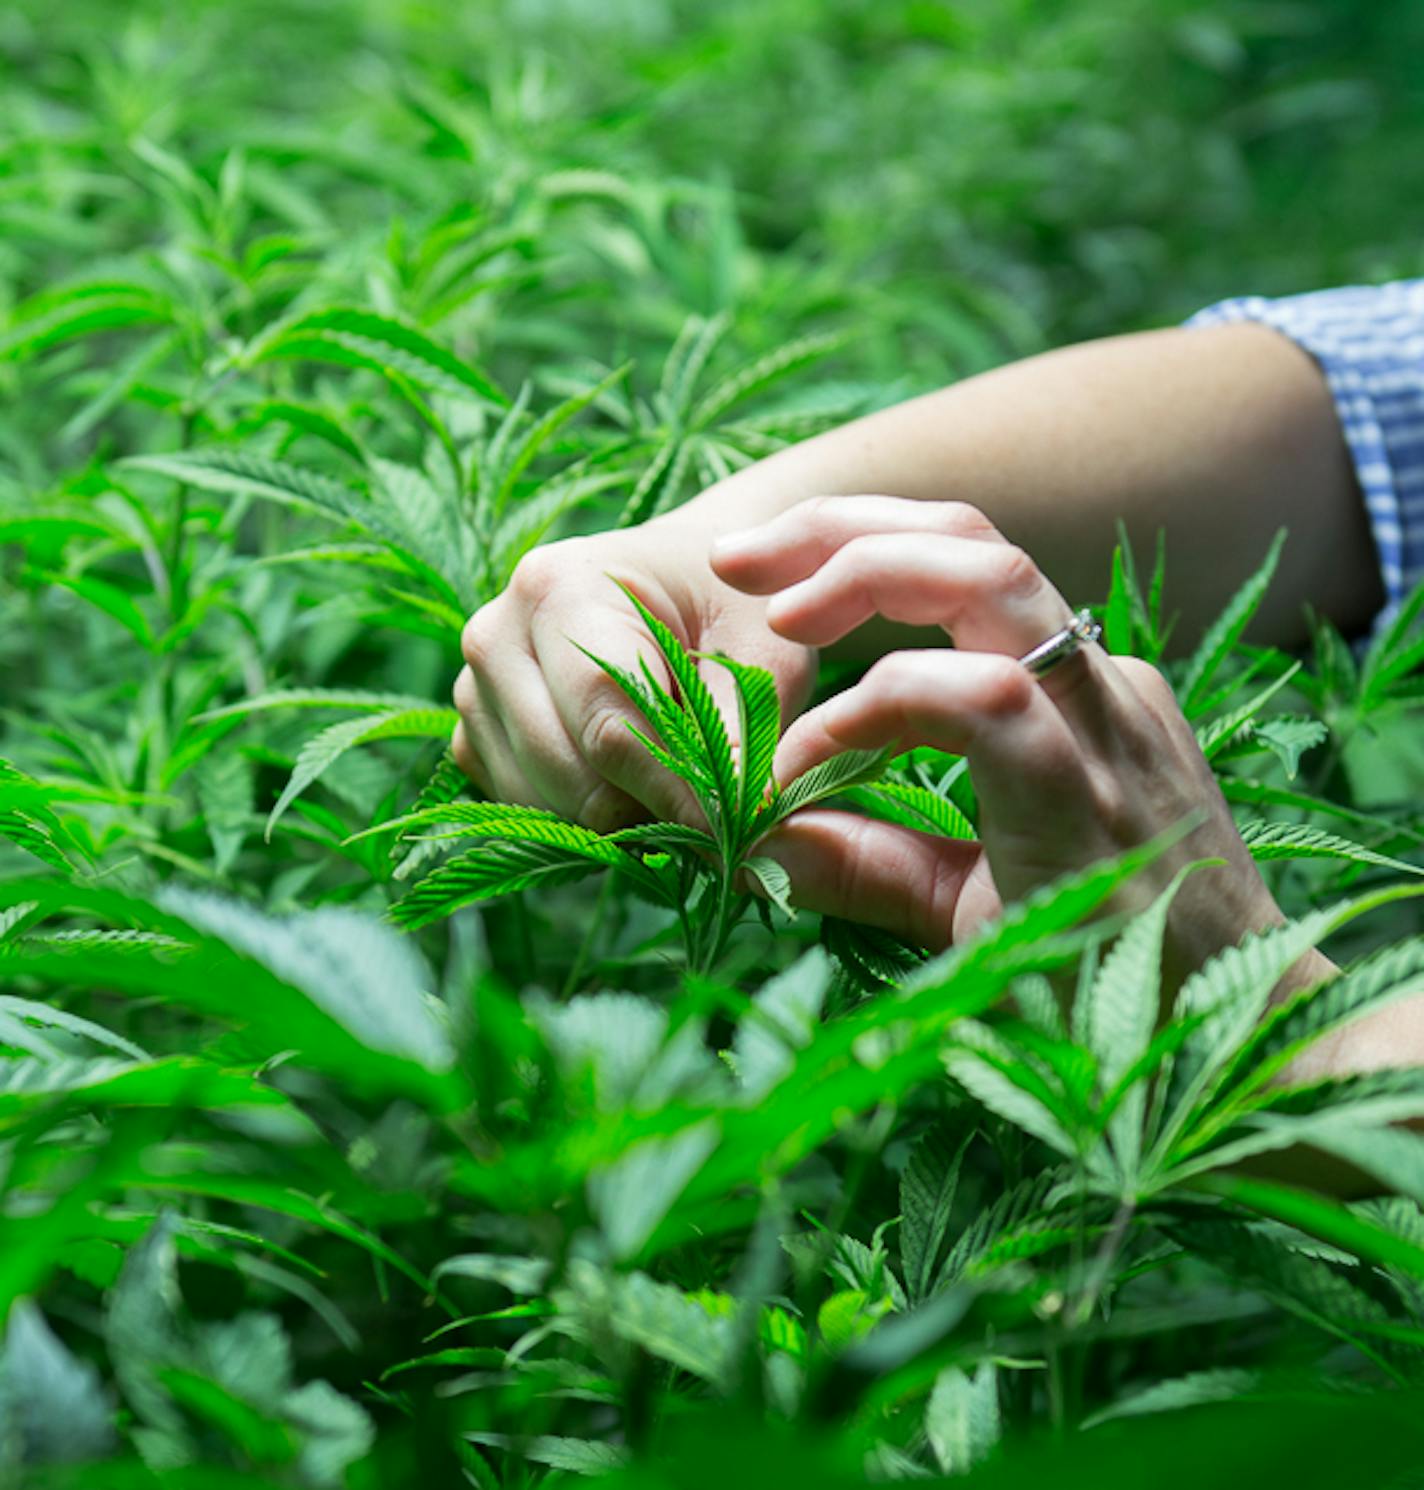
(684, 364)
(1019, 1209)
(498, 867)
(630, 1196)
(1192, 1390)
(1224, 633)
(140, 1325)
(523, 1275)
(1288, 737)
(773, 880)
(527, 523)
(699, 709)
(1118, 630)
(1236, 727)
(999, 1088)
(780, 1020)
(81, 310)
(962, 1419)
(761, 374)
(850, 768)
(48, 1017)
(354, 337)
(927, 1189)
(585, 1456)
(115, 603)
(324, 750)
(759, 718)
(55, 1407)
(36, 830)
(429, 519)
(912, 807)
(226, 783)
(664, 837)
(1265, 794)
(1116, 1014)
(1268, 840)
(657, 1318)
(654, 480)
(315, 698)
(1390, 1155)
(304, 419)
(240, 473)
(523, 452)
(1231, 993)
(372, 982)
(1319, 1217)
(1393, 972)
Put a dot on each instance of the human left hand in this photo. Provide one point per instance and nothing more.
(1088, 761)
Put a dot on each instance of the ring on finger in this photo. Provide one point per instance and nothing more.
(1058, 648)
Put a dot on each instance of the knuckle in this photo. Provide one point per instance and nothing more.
(815, 511)
(1014, 572)
(964, 520)
(819, 517)
(603, 736)
(467, 758)
(897, 678)
(605, 809)
(1005, 688)
(856, 563)
(464, 694)
(477, 640)
(536, 574)
(1147, 681)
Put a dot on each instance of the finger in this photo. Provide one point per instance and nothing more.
(855, 867)
(988, 708)
(485, 749)
(513, 736)
(795, 544)
(468, 760)
(744, 636)
(596, 714)
(475, 735)
(991, 597)
(545, 757)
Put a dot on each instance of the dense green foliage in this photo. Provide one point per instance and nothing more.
(354, 1131)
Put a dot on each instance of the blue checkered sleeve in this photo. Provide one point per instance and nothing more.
(1369, 341)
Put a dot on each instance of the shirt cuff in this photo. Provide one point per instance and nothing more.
(1369, 343)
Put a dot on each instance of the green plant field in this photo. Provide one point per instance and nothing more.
(356, 1131)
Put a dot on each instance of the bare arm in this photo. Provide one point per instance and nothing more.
(1218, 435)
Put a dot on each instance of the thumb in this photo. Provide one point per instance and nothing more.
(923, 888)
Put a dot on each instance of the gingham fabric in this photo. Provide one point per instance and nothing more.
(1369, 341)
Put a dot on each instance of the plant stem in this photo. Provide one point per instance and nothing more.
(177, 575)
(719, 927)
(595, 925)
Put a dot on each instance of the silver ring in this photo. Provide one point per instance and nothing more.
(1062, 644)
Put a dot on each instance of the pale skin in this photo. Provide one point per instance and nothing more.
(925, 516)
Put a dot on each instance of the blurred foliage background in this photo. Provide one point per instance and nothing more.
(977, 178)
(554, 190)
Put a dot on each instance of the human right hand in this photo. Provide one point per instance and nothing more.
(1072, 768)
(543, 725)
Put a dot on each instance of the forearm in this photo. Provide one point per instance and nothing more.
(1219, 436)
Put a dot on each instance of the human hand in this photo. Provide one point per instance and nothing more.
(1090, 760)
(543, 725)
